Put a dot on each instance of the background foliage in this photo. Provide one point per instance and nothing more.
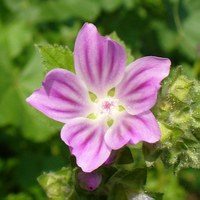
(29, 142)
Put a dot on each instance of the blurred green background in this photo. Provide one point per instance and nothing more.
(29, 142)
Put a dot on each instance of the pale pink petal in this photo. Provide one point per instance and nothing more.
(138, 89)
(99, 61)
(86, 137)
(62, 96)
(132, 129)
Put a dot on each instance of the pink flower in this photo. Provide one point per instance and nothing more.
(95, 127)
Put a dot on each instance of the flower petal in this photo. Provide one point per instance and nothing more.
(133, 129)
(86, 137)
(139, 87)
(99, 61)
(62, 96)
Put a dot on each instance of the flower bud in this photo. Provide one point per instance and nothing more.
(89, 181)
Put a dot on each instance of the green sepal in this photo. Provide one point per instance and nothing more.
(125, 157)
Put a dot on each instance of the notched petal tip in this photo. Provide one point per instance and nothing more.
(151, 131)
(139, 87)
(132, 129)
(99, 61)
(86, 140)
(159, 62)
(62, 96)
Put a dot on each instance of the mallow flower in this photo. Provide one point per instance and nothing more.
(105, 105)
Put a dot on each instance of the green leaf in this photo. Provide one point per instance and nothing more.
(111, 4)
(55, 56)
(125, 156)
(129, 56)
(19, 196)
(62, 10)
(58, 185)
(168, 38)
(161, 179)
(17, 41)
(186, 17)
(14, 109)
(137, 154)
(34, 125)
(151, 153)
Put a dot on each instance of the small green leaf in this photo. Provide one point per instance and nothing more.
(55, 56)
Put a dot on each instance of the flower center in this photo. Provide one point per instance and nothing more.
(107, 106)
